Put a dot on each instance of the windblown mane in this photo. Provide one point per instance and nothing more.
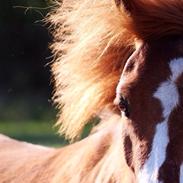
(92, 41)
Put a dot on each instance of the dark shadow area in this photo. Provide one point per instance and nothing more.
(25, 87)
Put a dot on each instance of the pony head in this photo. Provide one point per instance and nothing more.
(92, 42)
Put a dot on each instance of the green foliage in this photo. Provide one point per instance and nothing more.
(25, 112)
(37, 132)
(24, 77)
(27, 107)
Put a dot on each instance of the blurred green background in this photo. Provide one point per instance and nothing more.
(26, 109)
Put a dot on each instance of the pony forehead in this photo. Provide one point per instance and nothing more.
(173, 58)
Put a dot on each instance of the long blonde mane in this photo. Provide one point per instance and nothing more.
(92, 41)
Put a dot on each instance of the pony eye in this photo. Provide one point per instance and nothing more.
(124, 105)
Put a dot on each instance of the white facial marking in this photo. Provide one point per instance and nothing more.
(181, 174)
(176, 66)
(168, 95)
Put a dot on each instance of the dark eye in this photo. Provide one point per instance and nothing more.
(124, 106)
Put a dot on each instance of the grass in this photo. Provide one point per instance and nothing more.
(15, 115)
(36, 132)
(28, 118)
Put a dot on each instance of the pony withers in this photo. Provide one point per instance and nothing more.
(121, 61)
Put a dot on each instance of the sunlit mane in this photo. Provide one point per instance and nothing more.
(95, 46)
(92, 42)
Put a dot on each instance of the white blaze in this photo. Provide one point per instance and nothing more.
(168, 95)
(181, 174)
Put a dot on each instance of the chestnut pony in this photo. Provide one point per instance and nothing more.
(121, 60)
